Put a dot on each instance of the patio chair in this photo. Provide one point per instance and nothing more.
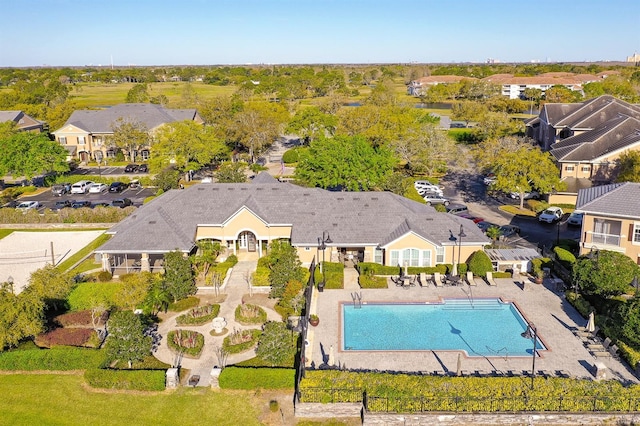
(587, 334)
(470, 279)
(412, 281)
(599, 346)
(396, 281)
(437, 279)
(490, 280)
(613, 350)
(601, 354)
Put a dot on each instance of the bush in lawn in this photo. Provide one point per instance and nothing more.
(104, 276)
(248, 314)
(241, 340)
(65, 337)
(140, 380)
(277, 344)
(184, 304)
(127, 339)
(257, 378)
(537, 206)
(59, 358)
(189, 342)
(565, 257)
(479, 263)
(199, 315)
(85, 295)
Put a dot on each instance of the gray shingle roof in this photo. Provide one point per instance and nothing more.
(617, 133)
(593, 112)
(351, 218)
(151, 115)
(617, 199)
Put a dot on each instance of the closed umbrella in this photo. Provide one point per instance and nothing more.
(459, 365)
(331, 360)
(591, 323)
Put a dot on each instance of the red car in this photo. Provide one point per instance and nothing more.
(473, 218)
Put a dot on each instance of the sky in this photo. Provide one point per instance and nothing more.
(224, 32)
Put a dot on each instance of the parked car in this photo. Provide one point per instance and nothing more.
(551, 215)
(62, 204)
(122, 202)
(435, 199)
(131, 168)
(117, 187)
(470, 217)
(509, 230)
(135, 184)
(27, 205)
(457, 209)
(575, 219)
(143, 168)
(489, 179)
(533, 195)
(97, 188)
(81, 187)
(430, 190)
(78, 204)
(60, 189)
(425, 184)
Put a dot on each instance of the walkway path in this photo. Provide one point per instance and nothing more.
(233, 292)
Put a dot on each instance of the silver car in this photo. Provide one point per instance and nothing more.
(435, 199)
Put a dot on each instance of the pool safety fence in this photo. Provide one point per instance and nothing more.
(480, 404)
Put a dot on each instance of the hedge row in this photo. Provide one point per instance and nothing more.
(333, 275)
(257, 378)
(83, 215)
(371, 281)
(184, 304)
(140, 380)
(370, 268)
(56, 359)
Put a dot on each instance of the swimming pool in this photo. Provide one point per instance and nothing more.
(482, 327)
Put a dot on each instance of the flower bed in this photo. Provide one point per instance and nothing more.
(248, 314)
(190, 343)
(67, 337)
(241, 340)
(80, 319)
(198, 316)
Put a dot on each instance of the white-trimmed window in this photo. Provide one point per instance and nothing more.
(410, 257)
(636, 233)
(62, 140)
(395, 257)
(377, 255)
(586, 169)
(569, 168)
(81, 140)
(439, 255)
(426, 258)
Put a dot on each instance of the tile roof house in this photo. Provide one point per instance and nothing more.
(419, 86)
(23, 121)
(611, 219)
(513, 87)
(86, 132)
(245, 217)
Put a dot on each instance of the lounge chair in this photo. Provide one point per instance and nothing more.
(613, 350)
(470, 279)
(587, 334)
(437, 279)
(490, 280)
(601, 354)
(599, 346)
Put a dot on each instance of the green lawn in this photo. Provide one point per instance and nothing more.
(5, 232)
(62, 399)
(82, 253)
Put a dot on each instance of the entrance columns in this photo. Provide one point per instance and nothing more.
(105, 262)
(144, 263)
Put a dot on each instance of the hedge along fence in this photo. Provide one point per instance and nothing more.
(257, 378)
(140, 380)
(333, 275)
(99, 215)
(370, 268)
(59, 358)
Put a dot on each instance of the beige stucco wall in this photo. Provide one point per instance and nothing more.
(562, 198)
(627, 246)
(411, 240)
(247, 221)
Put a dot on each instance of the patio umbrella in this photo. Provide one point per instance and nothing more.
(459, 365)
(591, 323)
(331, 360)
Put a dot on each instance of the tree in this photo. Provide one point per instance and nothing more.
(29, 154)
(519, 167)
(208, 252)
(129, 135)
(8, 129)
(127, 340)
(629, 167)
(479, 263)
(158, 298)
(534, 96)
(561, 94)
(630, 314)
(187, 145)
(606, 273)
(21, 316)
(284, 265)
(232, 172)
(350, 163)
(178, 276)
(137, 94)
(467, 111)
(277, 344)
(167, 179)
(310, 122)
(133, 292)
(51, 285)
(258, 125)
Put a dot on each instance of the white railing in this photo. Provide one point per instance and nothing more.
(607, 239)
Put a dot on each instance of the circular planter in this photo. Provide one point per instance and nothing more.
(314, 321)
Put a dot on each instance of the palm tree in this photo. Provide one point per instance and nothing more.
(158, 298)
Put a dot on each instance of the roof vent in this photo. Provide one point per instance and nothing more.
(152, 222)
(366, 205)
(429, 218)
(200, 189)
(229, 189)
(306, 194)
(340, 198)
(356, 198)
(335, 225)
(374, 198)
(274, 189)
(243, 189)
(215, 189)
(259, 189)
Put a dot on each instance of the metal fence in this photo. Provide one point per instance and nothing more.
(459, 404)
(304, 326)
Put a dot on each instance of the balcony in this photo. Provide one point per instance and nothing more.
(605, 239)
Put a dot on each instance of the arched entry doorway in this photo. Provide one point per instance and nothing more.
(247, 241)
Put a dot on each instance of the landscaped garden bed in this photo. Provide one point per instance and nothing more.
(199, 315)
(85, 337)
(248, 314)
(241, 341)
(188, 342)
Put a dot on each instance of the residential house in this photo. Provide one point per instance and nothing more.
(245, 218)
(611, 219)
(420, 86)
(24, 122)
(513, 87)
(86, 133)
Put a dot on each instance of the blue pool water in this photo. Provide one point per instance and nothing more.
(482, 327)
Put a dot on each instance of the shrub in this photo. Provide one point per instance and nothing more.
(632, 356)
(502, 275)
(539, 263)
(104, 276)
(85, 295)
(365, 268)
(241, 340)
(579, 302)
(260, 278)
(371, 281)
(232, 259)
(65, 337)
(333, 275)
(184, 304)
(59, 358)
(565, 257)
(479, 263)
(247, 314)
(293, 155)
(139, 380)
(536, 205)
(257, 378)
(273, 406)
(199, 315)
(189, 342)
(292, 301)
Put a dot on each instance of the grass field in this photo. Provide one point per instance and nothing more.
(82, 253)
(64, 400)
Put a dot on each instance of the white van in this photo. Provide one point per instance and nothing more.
(424, 187)
(80, 187)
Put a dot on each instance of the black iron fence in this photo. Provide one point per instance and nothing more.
(458, 404)
(304, 326)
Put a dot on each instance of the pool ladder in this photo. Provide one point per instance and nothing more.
(357, 300)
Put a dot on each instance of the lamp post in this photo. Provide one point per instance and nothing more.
(322, 245)
(531, 333)
(453, 239)
(9, 284)
(460, 235)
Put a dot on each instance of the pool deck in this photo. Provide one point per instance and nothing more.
(554, 318)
